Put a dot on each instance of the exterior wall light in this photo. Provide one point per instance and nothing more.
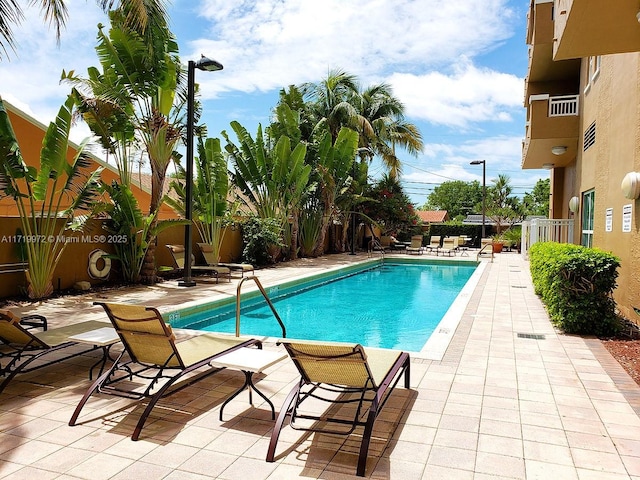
(631, 185)
(559, 150)
(574, 204)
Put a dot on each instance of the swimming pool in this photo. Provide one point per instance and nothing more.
(397, 304)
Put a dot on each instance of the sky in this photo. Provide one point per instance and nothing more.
(458, 68)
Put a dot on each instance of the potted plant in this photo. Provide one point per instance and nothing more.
(512, 237)
(498, 243)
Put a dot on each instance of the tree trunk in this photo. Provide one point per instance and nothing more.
(293, 249)
(319, 250)
(148, 274)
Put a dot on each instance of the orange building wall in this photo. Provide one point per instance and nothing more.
(30, 134)
(75, 259)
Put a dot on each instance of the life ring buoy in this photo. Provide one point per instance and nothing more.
(93, 269)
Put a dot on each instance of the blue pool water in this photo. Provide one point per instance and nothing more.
(397, 305)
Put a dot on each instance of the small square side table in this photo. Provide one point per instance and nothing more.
(249, 361)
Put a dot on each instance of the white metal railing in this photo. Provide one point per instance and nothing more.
(546, 230)
(563, 106)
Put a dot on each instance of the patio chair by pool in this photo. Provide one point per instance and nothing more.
(21, 346)
(336, 373)
(416, 245)
(207, 253)
(177, 252)
(434, 243)
(152, 358)
(450, 246)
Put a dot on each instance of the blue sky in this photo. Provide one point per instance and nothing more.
(458, 67)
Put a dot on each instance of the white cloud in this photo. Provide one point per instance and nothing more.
(29, 79)
(470, 94)
(274, 43)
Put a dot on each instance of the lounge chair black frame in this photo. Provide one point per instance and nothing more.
(177, 253)
(151, 355)
(343, 369)
(23, 346)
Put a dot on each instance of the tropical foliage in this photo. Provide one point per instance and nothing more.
(503, 208)
(129, 105)
(390, 208)
(272, 175)
(50, 199)
(457, 197)
(126, 220)
(210, 207)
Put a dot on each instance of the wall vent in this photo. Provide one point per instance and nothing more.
(590, 136)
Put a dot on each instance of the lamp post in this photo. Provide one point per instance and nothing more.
(484, 192)
(207, 65)
(353, 213)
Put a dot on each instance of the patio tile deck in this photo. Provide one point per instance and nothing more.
(511, 398)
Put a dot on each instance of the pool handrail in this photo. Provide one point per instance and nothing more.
(267, 299)
(488, 246)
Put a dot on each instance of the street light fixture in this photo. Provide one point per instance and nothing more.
(207, 65)
(484, 192)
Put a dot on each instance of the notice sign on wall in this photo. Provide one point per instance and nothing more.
(608, 220)
(626, 217)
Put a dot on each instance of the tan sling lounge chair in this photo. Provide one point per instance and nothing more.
(327, 369)
(416, 245)
(434, 244)
(207, 253)
(22, 347)
(450, 246)
(152, 357)
(177, 252)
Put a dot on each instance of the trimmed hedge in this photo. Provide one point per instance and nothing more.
(452, 230)
(576, 284)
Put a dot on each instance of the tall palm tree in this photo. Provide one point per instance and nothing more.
(384, 127)
(131, 102)
(375, 113)
(335, 100)
(140, 14)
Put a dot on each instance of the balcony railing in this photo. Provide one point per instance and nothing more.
(563, 106)
(546, 230)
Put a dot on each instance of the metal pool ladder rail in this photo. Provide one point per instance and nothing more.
(266, 297)
(488, 246)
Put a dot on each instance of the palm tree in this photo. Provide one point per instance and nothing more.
(335, 100)
(502, 207)
(383, 128)
(139, 15)
(375, 113)
(131, 104)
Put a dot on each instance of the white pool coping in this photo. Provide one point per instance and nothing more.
(440, 339)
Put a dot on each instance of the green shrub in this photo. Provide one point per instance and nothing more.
(576, 284)
(261, 237)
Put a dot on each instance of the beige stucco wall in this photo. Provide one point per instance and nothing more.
(612, 100)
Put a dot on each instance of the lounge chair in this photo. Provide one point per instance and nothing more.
(153, 358)
(328, 369)
(177, 252)
(434, 243)
(416, 245)
(450, 246)
(22, 346)
(207, 253)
